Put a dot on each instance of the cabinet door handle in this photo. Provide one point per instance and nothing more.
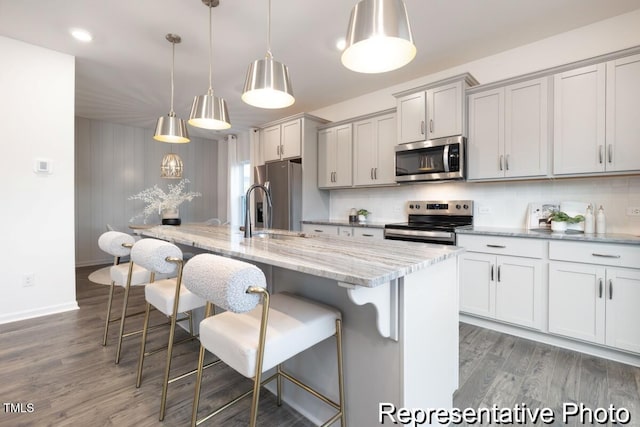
(501, 158)
(422, 127)
(282, 150)
(610, 153)
(492, 272)
(375, 173)
(335, 177)
(600, 288)
(610, 289)
(600, 153)
(371, 173)
(499, 273)
(431, 125)
(496, 246)
(506, 162)
(605, 255)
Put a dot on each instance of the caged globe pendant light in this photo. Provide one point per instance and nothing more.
(171, 128)
(208, 111)
(267, 84)
(171, 166)
(379, 37)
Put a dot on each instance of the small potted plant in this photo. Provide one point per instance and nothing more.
(363, 214)
(559, 220)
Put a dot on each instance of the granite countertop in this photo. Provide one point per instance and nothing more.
(358, 261)
(628, 239)
(345, 223)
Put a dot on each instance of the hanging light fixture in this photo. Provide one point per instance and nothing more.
(267, 84)
(208, 111)
(171, 128)
(171, 166)
(379, 37)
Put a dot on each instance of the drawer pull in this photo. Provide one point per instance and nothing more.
(496, 246)
(600, 288)
(367, 235)
(319, 231)
(605, 255)
(610, 289)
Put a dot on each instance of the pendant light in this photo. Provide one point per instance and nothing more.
(171, 166)
(267, 84)
(171, 128)
(208, 111)
(379, 37)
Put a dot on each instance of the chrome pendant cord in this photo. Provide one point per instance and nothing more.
(269, 55)
(173, 60)
(210, 91)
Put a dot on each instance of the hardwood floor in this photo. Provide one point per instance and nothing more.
(505, 370)
(57, 364)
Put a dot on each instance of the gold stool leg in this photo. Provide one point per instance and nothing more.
(106, 323)
(209, 310)
(167, 371)
(343, 417)
(279, 385)
(143, 344)
(123, 316)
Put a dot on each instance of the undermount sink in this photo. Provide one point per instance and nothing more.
(278, 236)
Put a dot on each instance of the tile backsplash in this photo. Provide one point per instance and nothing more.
(503, 204)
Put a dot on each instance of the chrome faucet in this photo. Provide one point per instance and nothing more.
(247, 214)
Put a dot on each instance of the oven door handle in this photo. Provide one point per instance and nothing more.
(417, 233)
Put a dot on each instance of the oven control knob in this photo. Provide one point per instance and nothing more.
(410, 206)
(458, 206)
(417, 206)
(466, 207)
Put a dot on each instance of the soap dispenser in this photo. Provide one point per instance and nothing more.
(601, 223)
(589, 227)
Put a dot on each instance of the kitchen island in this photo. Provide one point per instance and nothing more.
(400, 313)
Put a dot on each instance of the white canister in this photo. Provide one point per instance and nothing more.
(601, 222)
(589, 226)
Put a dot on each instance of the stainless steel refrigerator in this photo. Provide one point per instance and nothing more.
(285, 178)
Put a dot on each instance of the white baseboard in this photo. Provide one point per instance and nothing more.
(42, 311)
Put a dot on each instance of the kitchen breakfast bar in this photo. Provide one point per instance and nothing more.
(399, 302)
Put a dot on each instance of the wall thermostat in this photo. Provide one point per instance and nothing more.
(43, 166)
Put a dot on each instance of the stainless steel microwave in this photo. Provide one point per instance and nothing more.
(434, 160)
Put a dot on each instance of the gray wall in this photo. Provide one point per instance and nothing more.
(114, 162)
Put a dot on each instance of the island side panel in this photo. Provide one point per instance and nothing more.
(429, 331)
(371, 362)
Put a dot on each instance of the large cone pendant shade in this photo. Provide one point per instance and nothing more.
(379, 37)
(268, 85)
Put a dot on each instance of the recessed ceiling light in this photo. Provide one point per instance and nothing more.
(82, 35)
(341, 44)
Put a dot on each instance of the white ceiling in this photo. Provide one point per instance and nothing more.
(123, 75)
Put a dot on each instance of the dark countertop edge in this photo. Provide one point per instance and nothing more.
(340, 223)
(617, 238)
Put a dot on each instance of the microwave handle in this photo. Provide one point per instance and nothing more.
(445, 158)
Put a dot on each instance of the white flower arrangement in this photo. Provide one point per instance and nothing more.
(157, 200)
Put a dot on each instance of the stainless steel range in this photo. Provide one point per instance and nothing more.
(432, 221)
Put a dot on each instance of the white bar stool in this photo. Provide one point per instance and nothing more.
(253, 337)
(125, 275)
(168, 296)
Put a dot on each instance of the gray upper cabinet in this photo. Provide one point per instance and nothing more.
(282, 141)
(433, 111)
(596, 121)
(508, 131)
(335, 157)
